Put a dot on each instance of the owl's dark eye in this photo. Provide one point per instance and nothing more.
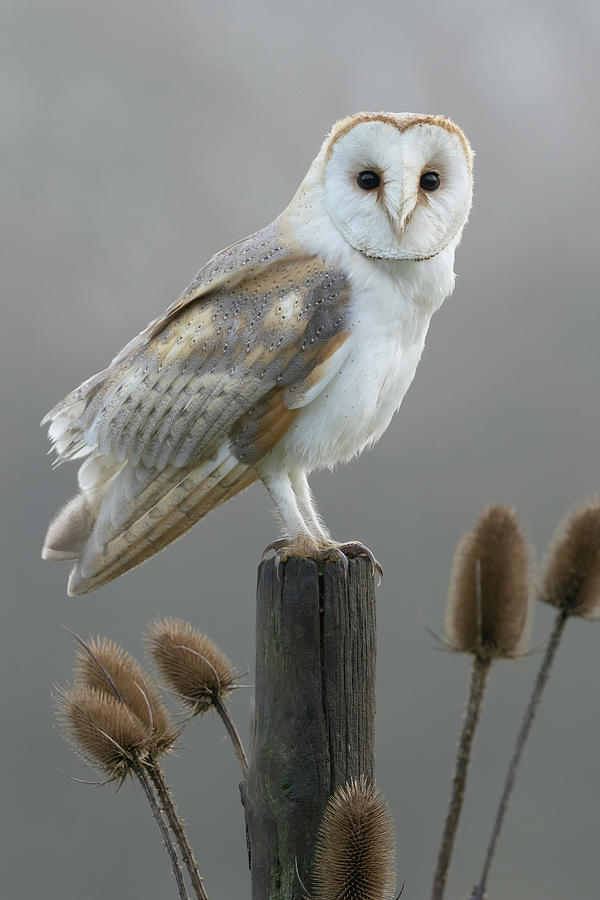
(430, 181)
(368, 180)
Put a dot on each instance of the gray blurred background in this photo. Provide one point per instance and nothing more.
(138, 139)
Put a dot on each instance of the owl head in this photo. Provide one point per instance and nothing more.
(396, 186)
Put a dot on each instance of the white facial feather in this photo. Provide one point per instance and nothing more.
(290, 351)
(399, 220)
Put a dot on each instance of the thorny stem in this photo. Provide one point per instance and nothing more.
(481, 668)
(168, 805)
(233, 733)
(140, 772)
(536, 696)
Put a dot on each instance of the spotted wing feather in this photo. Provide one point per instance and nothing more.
(177, 423)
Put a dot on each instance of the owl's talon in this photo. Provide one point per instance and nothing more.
(344, 561)
(342, 553)
(273, 546)
(277, 562)
(352, 549)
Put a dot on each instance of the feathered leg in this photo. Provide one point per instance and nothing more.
(328, 548)
(280, 490)
(306, 505)
(302, 539)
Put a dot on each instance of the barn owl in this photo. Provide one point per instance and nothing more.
(290, 351)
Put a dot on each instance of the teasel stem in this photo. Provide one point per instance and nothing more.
(553, 643)
(142, 776)
(479, 674)
(187, 854)
(233, 733)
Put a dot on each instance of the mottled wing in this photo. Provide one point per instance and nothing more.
(224, 270)
(177, 423)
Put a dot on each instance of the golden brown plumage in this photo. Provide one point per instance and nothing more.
(187, 408)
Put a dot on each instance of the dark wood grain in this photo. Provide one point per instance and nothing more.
(315, 711)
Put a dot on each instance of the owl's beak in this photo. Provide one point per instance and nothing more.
(402, 218)
(404, 215)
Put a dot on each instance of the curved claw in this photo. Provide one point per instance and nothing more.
(353, 549)
(277, 563)
(342, 552)
(274, 545)
(343, 559)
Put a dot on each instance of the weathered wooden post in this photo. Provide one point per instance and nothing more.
(315, 711)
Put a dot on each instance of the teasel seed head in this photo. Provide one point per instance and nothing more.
(489, 600)
(191, 664)
(102, 730)
(355, 857)
(571, 573)
(103, 665)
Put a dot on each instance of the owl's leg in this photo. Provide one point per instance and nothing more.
(349, 549)
(281, 493)
(305, 534)
(306, 505)
(301, 539)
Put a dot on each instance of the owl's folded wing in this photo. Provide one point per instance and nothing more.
(178, 421)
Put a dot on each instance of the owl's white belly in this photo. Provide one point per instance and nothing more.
(356, 407)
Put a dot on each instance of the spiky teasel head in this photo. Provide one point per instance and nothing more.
(571, 576)
(355, 854)
(102, 730)
(489, 600)
(103, 665)
(191, 664)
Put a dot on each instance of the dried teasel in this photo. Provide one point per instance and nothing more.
(103, 665)
(489, 600)
(571, 583)
(355, 856)
(191, 664)
(115, 719)
(197, 671)
(487, 615)
(102, 730)
(571, 574)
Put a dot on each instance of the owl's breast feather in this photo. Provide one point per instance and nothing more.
(388, 324)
